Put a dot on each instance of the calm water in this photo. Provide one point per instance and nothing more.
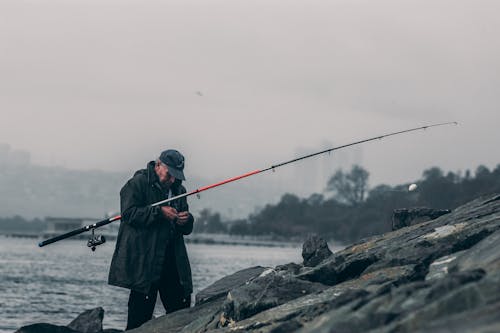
(56, 283)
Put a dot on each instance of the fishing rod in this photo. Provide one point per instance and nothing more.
(98, 240)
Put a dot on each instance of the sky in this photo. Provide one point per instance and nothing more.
(240, 85)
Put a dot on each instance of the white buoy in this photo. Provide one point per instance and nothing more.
(412, 187)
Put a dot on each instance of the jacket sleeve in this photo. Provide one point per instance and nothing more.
(184, 207)
(135, 211)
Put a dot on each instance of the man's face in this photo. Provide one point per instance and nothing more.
(162, 172)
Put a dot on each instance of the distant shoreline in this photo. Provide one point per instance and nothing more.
(207, 239)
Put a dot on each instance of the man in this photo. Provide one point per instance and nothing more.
(150, 255)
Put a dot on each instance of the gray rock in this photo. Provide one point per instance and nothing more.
(221, 287)
(441, 275)
(440, 267)
(45, 328)
(314, 250)
(338, 268)
(418, 245)
(483, 318)
(291, 268)
(401, 309)
(485, 255)
(89, 321)
(196, 317)
(269, 290)
(405, 217)
(307, 308)
(465, 278)
(383, 284)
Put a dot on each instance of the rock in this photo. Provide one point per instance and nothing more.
(291, 268)
(208, 306)
(440, 267)
(485, 255)
(307, 308)
(410, 216)
(418, 245)
(468, 279)
(338, 268)
(441, 275)
(45, 328)
(380, 285)
(314, 250)
(186, 320)
(402, 309)
(269, 290)
(484, 318)
(221, 287)
(89, 321)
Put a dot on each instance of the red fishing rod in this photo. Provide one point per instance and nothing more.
(94, 241)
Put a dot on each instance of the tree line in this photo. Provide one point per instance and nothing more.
(349, 210)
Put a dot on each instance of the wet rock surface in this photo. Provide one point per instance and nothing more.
(440, 275)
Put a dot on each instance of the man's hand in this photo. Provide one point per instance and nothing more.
(182, 218)
(169, 212)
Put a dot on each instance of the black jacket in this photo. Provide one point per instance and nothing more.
(145, 233)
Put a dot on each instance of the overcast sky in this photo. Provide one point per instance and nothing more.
(239, 85)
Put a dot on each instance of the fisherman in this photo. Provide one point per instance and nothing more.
(150, 255)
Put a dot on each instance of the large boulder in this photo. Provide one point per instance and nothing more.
(221, 287)
(269, 290)
(196, 317)
(314, 250)
(405, 217)
(418, 245)
(305, 309)
(208, 305)
(442, 275)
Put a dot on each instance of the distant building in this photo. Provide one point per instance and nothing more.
(61, 225)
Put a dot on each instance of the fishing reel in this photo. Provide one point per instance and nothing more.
(95, 241)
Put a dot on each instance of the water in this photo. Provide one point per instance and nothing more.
(56, 283)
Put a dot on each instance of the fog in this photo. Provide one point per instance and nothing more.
(240, 85)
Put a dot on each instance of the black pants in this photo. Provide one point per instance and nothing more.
(141, 306)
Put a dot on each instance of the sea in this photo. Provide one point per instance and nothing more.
(56, 283)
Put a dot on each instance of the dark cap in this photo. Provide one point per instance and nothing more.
(175, 162)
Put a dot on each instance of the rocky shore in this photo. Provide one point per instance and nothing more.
(437, 271)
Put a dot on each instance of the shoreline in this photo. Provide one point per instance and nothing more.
(207, 239)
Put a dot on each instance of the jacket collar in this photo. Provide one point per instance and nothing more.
(152, 176)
